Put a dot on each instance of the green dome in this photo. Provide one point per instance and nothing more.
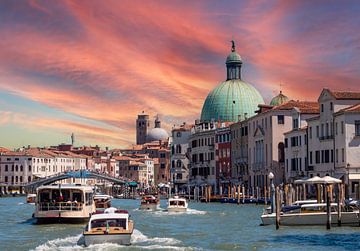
(233, 57)
(279, 99)
(229, 100)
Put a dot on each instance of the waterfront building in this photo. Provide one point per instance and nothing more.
(333, 141)
(179, 171)
(231, 101)
(266, 141)
(296, 145)
(239, 152)
(223, 157)
(202, 154)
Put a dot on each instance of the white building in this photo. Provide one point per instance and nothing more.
(266, 142)
(202, 154)
(296, 145)
(179, 172)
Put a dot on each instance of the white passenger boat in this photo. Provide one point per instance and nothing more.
(150, 202)
(310, 214)
(177, 204)
(102, 201)
(64, 203)
(110, 226)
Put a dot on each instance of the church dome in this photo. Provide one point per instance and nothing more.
(232, 99)
(156, 134)
(279, 99)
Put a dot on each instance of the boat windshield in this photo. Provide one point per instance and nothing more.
(120, 223)
(177, 203)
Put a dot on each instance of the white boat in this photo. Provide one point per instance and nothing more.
(31, 198)
(310, 214)
(110, 226)
(177, 204)
(102, 201)
(64, 203)
(150, 202)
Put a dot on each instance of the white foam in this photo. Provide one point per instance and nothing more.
(138, 240)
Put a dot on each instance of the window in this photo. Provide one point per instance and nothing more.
(317, 131)
(337, 156)
(311, 158)
(286, 143)
(280, 119)
(342, 127)
(178, 134)
(327, 156)
(332, 156)
(342, 155)
(336, 129)
(331, 106)
(310, 132)
(357, 127)
(322, 107)
(295, 123)
(317, 157)
(6, 168)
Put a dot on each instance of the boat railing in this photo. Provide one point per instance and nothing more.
(60, 206)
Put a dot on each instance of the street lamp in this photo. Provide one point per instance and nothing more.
(271, 177)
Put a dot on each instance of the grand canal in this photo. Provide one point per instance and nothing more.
(204, 227)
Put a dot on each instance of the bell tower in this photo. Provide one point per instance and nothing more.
(142, 125)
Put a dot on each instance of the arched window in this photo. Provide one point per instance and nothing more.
(16, 179)
(281, 152)
(16, 168)
(21, 179)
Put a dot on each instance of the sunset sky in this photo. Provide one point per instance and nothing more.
(89, 67)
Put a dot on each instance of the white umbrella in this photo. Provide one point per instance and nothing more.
(331, 180)
(314, 180)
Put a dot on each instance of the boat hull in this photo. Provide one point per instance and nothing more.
(120, 239)
(149, 206)
(347, 218)
(177, 209)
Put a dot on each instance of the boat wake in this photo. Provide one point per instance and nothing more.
(188, 211)
(139, 241)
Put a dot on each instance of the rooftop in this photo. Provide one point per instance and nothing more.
(346, 95)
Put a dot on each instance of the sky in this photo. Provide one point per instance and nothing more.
(89, 67)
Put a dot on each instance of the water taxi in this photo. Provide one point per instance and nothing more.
(109, 226)
(64, 203)
(177, 204)
(310, 214)
(102, 201)
(31, 198)
(150, 202)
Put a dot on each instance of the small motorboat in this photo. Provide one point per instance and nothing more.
(150, 202)
(109, 226)
(31, 198)
(177, 204)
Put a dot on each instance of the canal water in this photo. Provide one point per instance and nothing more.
(203, 227)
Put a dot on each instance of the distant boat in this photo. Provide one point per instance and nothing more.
(59, 203)
(150, 202)
(177, 204)
(110, 226)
